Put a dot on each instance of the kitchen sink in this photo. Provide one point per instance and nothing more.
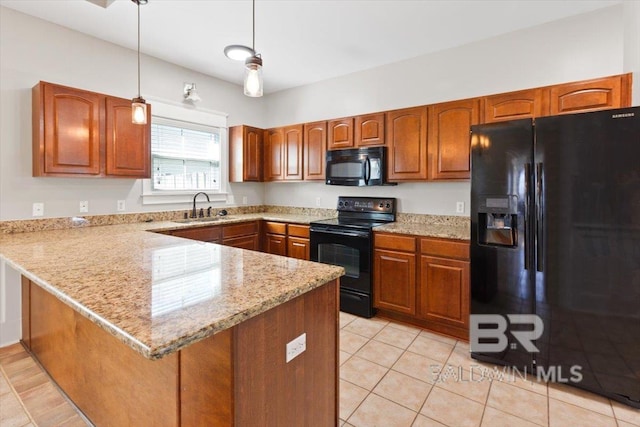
(196, 220)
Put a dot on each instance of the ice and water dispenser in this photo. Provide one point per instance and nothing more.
(498, 221)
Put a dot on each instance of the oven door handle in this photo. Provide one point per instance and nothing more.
(361, 234)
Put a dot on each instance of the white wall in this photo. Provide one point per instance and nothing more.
(632, 45)
(582, 47)
(32, 50)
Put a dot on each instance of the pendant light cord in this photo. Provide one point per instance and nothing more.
(253, 45)
(138, 2)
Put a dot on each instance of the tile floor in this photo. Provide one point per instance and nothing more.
(390, 375)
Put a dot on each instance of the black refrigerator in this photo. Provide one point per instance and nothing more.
(555, 249)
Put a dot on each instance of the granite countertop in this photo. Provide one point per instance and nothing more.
(159, 293)
(445, 231)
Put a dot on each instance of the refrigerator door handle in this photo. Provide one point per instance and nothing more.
(539, 216)
(527, 201)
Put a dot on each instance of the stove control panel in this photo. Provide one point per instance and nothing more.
(367, 204)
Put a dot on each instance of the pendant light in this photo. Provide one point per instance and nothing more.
(252, 62)
(138, 104)
(253, 84)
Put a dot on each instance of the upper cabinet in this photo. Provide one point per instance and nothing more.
(522, 104)
(369, 130)
(315, 148)
(79, 133)
(245, 154)
(283, 153)
(340, 133)
(273, 146)
(591, 95)
(293, 152)
(449, 140)
(406, 136)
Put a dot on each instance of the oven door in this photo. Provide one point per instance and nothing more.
(350, 249)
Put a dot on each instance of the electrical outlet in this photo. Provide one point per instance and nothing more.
(231, 200)
(121, 206)
(296, 347)
(459, 207)
(84, 206)
(245, 200)
(38, 209)
(318, 201)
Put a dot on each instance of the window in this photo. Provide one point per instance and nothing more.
(184, 156)
(188, 155)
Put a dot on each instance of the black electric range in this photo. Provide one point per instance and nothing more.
(347, 241)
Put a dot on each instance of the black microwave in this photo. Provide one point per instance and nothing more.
(356, 167)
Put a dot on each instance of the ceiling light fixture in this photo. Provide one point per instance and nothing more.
(253, 66)
(138, 104)
(190, 93)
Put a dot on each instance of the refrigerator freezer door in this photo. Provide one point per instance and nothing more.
(588, 290)
(501, 244)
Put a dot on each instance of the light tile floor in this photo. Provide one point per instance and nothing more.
(393, 375)
(390, 375)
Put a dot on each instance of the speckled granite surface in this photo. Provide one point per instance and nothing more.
(154, 292)
(444, 231)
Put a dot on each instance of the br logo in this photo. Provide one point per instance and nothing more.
(488, 332)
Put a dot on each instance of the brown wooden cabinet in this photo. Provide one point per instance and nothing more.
(427, 286)
(298, 245)
(293, 152)
(340, 133)
(211, 234)
(245, 154)
(273, 148)
(315, 149)
(406, 137)
(591, 95)
(275, 238)
(79, 133)
(444, 284)
(369, 130)
(449, 138)
(245, 235)
(522, 104)
(394, 276)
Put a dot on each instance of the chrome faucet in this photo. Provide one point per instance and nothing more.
(194, 213)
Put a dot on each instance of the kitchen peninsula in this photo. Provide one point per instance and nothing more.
(142, 328)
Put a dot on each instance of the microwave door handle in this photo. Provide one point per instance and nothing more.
(367, 170)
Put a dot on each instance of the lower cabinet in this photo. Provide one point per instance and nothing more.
(284, 239)
(275, 238)
(427, 285)
(298, 245)
(245, 235)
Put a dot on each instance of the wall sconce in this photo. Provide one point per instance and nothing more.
(190, 93)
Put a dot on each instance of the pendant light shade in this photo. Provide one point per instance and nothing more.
(238, 52)
(253, 76)
(138, 104)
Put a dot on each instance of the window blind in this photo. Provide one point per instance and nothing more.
(185, 156)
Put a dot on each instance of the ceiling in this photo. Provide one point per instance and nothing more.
(301, 41)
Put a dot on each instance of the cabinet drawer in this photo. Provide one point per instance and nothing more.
(297, 230)
(243, 242)
(394, 241)
(444, 248)
(275, 227)
(204, 234)
(242, 229)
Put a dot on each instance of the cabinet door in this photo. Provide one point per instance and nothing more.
(369, 130)
(444, 290)
(406, 136)
(394, 281)
(273, 154)
(297, 247)
(67, 131)
(315, 149)
(245, 242)
(204, 234)
(275, 244)
(293, 152)
(340, 133)
(591, 95)
(523, 104)
(449, 138)
(128, 146)
(245, 154)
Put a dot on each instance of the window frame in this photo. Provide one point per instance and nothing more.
(200, 117)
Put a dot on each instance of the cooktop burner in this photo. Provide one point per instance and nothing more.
(350, 222)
